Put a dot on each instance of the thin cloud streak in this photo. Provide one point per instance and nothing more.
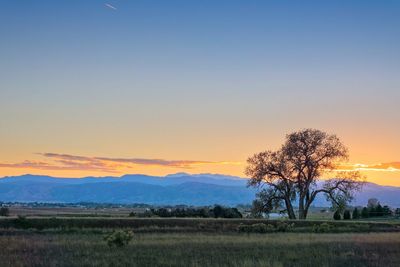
(110, 6)
(39, 165)
(136, 161)
(104, 164)
(380, 167)
(116, 165)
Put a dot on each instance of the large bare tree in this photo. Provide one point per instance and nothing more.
(306, 165)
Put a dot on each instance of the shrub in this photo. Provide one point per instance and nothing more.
(283, 226)
(362, 227)
(322, 228)
(263, 228)
(356, 214)
(4, 211)
(23, 222)
(387, 211)
(270, 228)
(346, 215)
(397, 212)
(337, 216)
(379, 210)
(365, 213)
(260, 228)
(225, 212)
(244, 228)
(132, 214)
(146, 214)
(119, 238)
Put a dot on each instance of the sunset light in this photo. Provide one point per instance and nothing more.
(200, 133)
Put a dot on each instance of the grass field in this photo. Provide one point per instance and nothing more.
(28, 248)
(80, 241)
(71, 224)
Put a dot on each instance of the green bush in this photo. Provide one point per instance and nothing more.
(356, 214)
(284, 226)
(244, 228)
(146, 214)
(337, 216)
(256, 228)
(119, 238)
(22, 222)
(365, 213)
(4, 211)
(259, 228)
(346, 215)
(263, 228)
(322, 228)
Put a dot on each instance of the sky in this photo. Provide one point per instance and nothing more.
(157, 87)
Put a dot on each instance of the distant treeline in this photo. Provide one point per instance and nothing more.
(371, 211)
(77, 204)
(103, 205)
(374, 211)
(216, 211)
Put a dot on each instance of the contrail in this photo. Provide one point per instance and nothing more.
(110, 6)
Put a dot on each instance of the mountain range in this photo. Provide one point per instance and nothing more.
(180, 188)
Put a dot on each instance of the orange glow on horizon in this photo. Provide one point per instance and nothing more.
(383, 176)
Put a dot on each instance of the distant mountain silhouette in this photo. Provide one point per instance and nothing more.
(180, 188)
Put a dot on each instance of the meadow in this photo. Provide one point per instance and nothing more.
(87, 248)
(80, 241)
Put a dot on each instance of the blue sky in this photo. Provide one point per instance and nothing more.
(197, 80)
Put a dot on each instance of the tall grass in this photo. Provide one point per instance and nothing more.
(189, 249)
(185, 224)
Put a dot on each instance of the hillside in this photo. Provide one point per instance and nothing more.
(181, 188)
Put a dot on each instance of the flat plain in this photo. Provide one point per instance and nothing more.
(87, 248)
(76, 237)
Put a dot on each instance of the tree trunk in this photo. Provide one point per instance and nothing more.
(305, 213)
(302, 214)
(307, 206)
(289, 208)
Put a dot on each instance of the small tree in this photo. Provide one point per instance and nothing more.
(346, 215)
(397, 212)
(356, 214)
(218, 211)
(365, 213)
(387, 211)
(371, 211)
(4, 211)
(372, 202)
(379, 210)
(132, 214)
(336, 216)
(258, 209)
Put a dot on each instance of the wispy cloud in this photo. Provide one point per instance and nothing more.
(56, 161)
(132, 161)
(40, 165)
(110, 6)
(382, 167)
(105, 164)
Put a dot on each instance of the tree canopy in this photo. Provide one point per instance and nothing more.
(300, 170)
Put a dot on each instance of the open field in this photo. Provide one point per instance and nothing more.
(27, 248)
(71, 237)
(71, 224)
(78, 241)
(72, 211)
